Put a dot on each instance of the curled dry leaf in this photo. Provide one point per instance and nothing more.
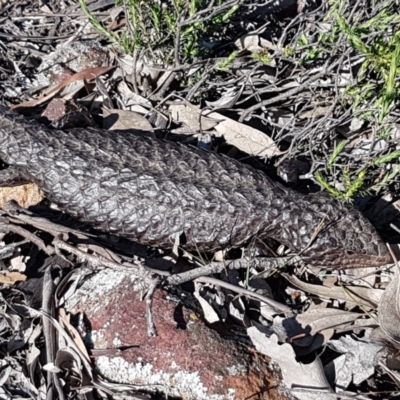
(358, 325)
(395, 375)
(352, 295)
(68, 360)
(227, 100)
(319, 319)
(253, 42)
(33, 353)
(18, 263)
(294, 374)
(134, 101)
(70, 283)
(320, 325)
(388, 310)
(357, 362)
(304, 342)
(209, 313)
(73, 334)
(51, 368)
(315, 112)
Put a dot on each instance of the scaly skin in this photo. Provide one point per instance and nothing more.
(149, 190)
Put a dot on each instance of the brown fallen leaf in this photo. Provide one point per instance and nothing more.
(85, 75)
(10, 278)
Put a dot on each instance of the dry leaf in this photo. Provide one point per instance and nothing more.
(253, 42)
(208, 311)
(395, 375)
(319, 319)
(244, 137)
(87, 74)
(18, 263)
(33, 353)
(134, 101)
(358, 325)
(68, 361)
(353, 295)
(388, 310)
(123, 119)
(73, 334)
(294, 373)
(227, 100)
(315, 112)
(189, 115)
(356, 362)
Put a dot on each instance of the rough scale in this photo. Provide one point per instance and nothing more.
(149, 190)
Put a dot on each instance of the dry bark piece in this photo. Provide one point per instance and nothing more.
(67, 114)
(55, 110)
(25, 195)
(10, 278)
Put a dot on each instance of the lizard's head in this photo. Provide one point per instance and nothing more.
(341, 237)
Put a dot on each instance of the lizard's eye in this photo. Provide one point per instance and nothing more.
(352, 217)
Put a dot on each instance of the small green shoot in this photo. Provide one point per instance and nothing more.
(289, 51)
(352, 188)
(166, 28)
(96, 23)
(339, 148)
(325, 184)
(262, 56)
(377, 162)
(381, 56)
(223, 65)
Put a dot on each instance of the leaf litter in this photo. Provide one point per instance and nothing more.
(329, 334)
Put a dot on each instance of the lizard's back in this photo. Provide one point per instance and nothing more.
(151, 190)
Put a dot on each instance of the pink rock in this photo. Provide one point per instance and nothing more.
(185, 359)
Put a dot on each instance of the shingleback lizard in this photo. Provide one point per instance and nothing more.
(150, 190)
